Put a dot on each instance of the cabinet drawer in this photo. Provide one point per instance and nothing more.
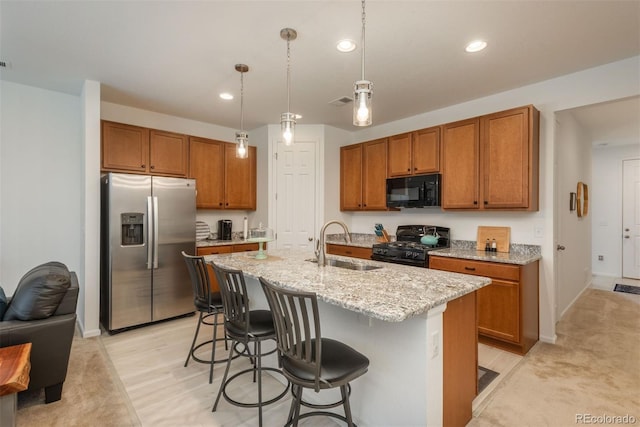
(352, 251)
(477, 268)
(246, 247)
(214, 250)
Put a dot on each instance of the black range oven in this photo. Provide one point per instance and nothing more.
(408, 249)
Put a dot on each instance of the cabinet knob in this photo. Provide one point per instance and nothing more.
(142, 166)
(470, 268)
(486, 203)
(408, 169)
(475, 202)
(220, 204)
(153, 167)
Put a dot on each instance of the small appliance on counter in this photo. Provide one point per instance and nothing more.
(409, 248)
(224, 229)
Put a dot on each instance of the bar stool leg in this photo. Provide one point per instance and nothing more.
(195, 337)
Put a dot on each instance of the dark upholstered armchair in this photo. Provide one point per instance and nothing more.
(42, 311)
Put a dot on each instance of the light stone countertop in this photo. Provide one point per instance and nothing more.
(212, 242)
(392, 293)
(519, 258)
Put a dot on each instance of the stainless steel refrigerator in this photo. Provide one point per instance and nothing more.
(146, 222)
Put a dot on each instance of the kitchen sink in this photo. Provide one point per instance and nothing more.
(348, 265)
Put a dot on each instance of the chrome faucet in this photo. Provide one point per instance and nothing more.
(321, 255)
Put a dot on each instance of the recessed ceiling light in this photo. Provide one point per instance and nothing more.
(476, 46)
(226, 96)
(346, 45)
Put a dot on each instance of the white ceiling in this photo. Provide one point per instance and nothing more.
(175, 57)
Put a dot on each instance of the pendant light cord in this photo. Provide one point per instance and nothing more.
(242, 102)
(363, 22)
(288, 74)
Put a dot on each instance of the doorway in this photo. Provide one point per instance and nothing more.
(631, 219)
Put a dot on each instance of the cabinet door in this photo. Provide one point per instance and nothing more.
(399, 155)
(499, 310)
(168, 153)
(460, 163)
(460, 360)
(125, 147)
(351, 177)
(206, 166)
(374, 175)
(506, 153)
(425, 157)
(240, 179)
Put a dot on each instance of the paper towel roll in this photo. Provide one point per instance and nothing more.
(245, 229)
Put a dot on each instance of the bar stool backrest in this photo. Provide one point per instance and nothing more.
(235, 300)
(200, 282)
(297, 323)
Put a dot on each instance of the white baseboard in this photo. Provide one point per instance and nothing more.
(88, 333)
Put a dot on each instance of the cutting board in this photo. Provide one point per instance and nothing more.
(501, 234)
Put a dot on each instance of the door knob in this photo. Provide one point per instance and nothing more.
(560, 248)
(626, 237)
(311, 239)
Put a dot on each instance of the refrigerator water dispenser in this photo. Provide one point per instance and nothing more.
(132, 225)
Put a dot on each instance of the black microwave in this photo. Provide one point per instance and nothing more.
(413, 191)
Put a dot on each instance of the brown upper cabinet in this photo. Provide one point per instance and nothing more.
(134, 149)
(363, 174)
(414, 153)
(223, 181)
(491, 162)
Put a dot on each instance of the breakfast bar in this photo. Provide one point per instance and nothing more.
(391, 313)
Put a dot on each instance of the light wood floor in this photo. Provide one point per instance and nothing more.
(150, 360)
(163, 392)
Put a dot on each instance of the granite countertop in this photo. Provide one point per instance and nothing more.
(392, 293)
(213, 242)
(501, 257)
(357, 239)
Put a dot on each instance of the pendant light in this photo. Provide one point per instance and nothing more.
(242, 138)
(363, 90)
(288, 119)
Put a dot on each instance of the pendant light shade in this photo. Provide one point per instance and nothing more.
(363, 89)
(288, 119)
(242, 138)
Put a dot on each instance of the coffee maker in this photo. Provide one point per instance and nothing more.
(224, 229)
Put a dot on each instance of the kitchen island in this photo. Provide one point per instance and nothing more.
(392, 314)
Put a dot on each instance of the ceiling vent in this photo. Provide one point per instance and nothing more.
(341, 101)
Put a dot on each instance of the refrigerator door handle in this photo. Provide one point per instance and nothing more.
(150, 235)
(155, 231)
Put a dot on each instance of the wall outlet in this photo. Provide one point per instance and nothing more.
(600, 257)
(538, 231)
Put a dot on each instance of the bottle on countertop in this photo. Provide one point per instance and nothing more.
(487, 246)
(494, 246)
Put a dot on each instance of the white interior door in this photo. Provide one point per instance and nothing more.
(295, 195)
(631, 219)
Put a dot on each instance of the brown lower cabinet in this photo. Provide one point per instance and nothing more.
(460, 360)
(508, 307)
(223, 249)
(347, 250)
